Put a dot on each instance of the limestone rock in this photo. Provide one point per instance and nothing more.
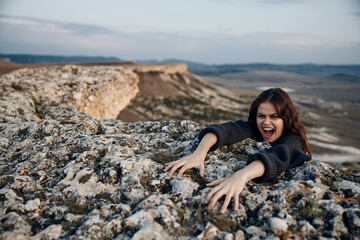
(278, 225)
(34, 94)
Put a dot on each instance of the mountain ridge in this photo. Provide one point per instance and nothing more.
(195, 67)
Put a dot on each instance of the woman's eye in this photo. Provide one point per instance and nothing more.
(260, 116)
(274, 116)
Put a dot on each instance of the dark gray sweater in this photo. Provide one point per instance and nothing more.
(287, 152)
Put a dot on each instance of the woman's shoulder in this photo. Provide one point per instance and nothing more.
(291, 139)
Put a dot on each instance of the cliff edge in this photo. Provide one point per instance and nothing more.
(67, 175)
(37, 93)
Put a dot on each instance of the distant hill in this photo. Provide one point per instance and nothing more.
(303, 69)
(39, 59)
(197, 68)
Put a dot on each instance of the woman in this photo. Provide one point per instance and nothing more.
(273, 118)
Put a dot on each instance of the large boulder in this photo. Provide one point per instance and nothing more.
(32, 94)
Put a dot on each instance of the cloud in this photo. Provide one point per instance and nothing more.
(33, 24)
(310, 41)
(52, 26)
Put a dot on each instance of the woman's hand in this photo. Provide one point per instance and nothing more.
(195, 160)
(232, 186)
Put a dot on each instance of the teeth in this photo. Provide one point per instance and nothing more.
(267, 129)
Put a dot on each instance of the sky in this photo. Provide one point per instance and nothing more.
(204, 31)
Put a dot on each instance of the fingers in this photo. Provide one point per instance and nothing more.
(213, 196)
(173, 166)
(170, 165)
(226, 203)
(182, 170)
(184, 164)
(202, 171)
(215, 182)
(226, 186)
(236, 202)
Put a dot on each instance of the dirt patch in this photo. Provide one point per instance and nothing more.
(152, 84)
(127, 115)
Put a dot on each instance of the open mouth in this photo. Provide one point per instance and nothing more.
(268, 132)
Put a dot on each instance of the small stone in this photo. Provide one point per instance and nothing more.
(307, 228)
(184, 187)
(255, 231)
(151, 231)
(278, 225)
(239, 235)
(51, 232)
(140, 218)
(4, 143)
(32, 205)
(210, 232)
(351, 186)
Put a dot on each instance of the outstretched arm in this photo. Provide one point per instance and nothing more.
(195, 160)
(232, 186)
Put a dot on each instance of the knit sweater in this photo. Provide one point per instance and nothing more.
(285, 153)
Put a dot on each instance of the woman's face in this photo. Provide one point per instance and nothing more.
(268, 122)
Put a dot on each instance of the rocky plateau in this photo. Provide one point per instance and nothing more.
(69, 170)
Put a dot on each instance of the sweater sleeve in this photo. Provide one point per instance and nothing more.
(228, 133)
(286, 154)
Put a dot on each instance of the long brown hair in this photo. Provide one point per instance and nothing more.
(286, 110)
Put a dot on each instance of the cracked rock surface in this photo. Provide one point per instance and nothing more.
(74, 177)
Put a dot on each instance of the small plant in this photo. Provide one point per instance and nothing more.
(144, 180)
(79, 149)
(23, 132)
(15, 156)
(310, 211)
(105, 196)
(164, 156)
(221, 221)
(194, 175)
(84, 178)
(17, 87)
(21, 111)
(5, 180)
(329, 182)
(39, 135)
(40, 195)
(75, 208)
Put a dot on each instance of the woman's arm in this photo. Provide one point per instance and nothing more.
(230, 132)
(232, 186)
(196, 159)
(288, 153)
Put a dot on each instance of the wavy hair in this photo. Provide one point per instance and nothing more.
(286, 110)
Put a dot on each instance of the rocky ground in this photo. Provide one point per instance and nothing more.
(66, 175)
